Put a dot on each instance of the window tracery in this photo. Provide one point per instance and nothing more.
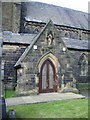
(83, 65)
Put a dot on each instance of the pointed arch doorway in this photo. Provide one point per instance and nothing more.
(47, 78)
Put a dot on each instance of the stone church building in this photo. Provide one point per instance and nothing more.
(45, 48)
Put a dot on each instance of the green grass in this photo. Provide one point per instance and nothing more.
(9, 93)
(83, 86)
(77, 108)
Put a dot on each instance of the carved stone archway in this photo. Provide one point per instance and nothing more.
(52, 58)
(49, 58)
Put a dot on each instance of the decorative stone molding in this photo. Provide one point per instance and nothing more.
(51, 57)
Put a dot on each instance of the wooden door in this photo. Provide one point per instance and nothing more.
(47, 79)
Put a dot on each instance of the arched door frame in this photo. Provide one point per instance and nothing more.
(48, 79)
(54, 61)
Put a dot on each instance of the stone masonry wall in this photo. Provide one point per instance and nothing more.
(76, 69)
(29, 64)
(15, 44)
(35, 27)
(7, 9)
(11, 16)
(11, 54)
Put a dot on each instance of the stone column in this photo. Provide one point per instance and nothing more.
(62, 86)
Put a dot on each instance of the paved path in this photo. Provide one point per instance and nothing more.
(86, 93)
(41, 98)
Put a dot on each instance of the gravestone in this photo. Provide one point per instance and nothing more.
(12, 113)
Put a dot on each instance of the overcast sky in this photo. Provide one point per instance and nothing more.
(81, 5)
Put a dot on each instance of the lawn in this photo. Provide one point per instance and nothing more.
(9, 93)
(77, 108)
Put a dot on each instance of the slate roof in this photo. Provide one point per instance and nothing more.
(41, 12)
(76, 44)
(9, 37)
